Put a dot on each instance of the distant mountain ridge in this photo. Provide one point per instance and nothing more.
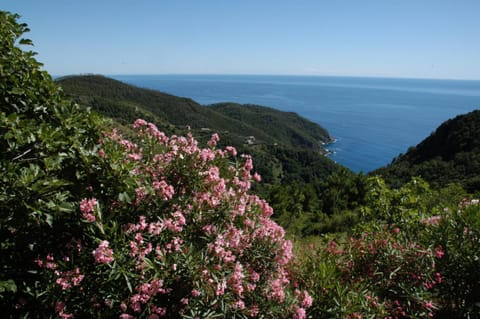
(450, 154)
(284, 145)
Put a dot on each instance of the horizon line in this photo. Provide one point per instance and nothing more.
(266, 74)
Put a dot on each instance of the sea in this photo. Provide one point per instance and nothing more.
(373, 120)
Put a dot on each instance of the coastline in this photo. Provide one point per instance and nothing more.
(331, 141)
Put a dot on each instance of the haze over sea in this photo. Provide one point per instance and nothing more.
(373, 119)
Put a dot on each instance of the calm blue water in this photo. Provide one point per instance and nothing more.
(373, 119)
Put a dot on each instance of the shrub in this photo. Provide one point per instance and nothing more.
(47, 144)
(457, 231)
(96, 225)
(378, 274)
(169, 229)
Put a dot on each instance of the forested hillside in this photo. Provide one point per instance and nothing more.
(282, 126)
(285, 146)
(451, 154)
(267, 126)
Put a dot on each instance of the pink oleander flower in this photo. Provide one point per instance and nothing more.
(248, 166)
(307, 300)
(68, 279)
(213, 140)
(439, 252)
(139, 123)
(253, 311)
(195, 293)
(239, 304)
(232, 150)
(87, 207)
(59, 306)
(221, 286)
(64, 315)
(135, 156)
(103, 254)
(300, 313)
(277, 292)
(429, 305)
(163, 189)
(161, 311)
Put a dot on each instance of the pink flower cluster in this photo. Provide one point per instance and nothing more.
(87, 207)
(189, 234)
(431, 221)
(67, 279)
(103, 254)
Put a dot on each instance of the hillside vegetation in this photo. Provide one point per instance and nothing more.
(237, 122)
(97, 222)
(285, 146)
(451, 154)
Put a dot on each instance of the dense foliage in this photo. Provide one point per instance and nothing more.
(284, 146)
(414, 254)
(47, 144)
(450, 154)
(94, 224)
(325, 205)
(375, 274)
(169, 229)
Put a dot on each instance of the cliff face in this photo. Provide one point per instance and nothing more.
(451, 154)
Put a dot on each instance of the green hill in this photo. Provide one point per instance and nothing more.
(284, 145)
(451, 154)
(282, 126)
(125, 103)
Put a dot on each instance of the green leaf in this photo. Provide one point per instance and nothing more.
(8, 285)
(49, 219)
(25, 42)
(124, 197)
(17, 91)
(129, 285)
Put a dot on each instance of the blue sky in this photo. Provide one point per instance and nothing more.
(404, 38)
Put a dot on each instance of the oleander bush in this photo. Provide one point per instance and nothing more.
(95, 225)
(374, 274)
(170, 229)
(457, 230)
